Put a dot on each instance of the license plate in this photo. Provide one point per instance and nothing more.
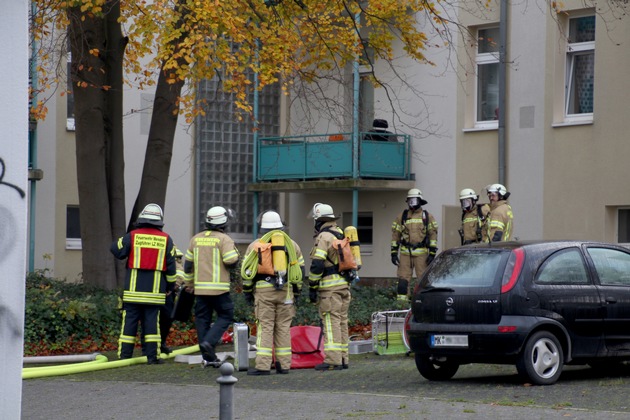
(445, 340)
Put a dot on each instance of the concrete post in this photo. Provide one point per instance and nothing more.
(226, 391)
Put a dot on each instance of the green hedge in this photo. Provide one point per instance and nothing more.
(67, 317)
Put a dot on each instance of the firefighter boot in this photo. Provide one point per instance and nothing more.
(326, 366)
(280, 370)
(257, 372)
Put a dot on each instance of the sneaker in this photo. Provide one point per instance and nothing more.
(257, 372)
(280, 370)
(155, 361)
(207, 363)
(326, 366)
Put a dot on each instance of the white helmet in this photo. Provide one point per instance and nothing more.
(271, 220)
(468, 193)
(323, 211)
(151, 214)
(217, 216)
(499, 189)
(416, 193)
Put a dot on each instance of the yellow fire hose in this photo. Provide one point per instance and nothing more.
(101, 362)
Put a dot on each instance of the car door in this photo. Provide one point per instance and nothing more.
(612, 267)
(568, 294)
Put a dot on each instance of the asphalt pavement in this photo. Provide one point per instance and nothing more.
(72, 399)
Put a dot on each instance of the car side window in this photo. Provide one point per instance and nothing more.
(612, 266)
(564, 267)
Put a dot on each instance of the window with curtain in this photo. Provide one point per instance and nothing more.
(487, 62)
(580, 67)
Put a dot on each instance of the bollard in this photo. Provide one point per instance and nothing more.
(226, 391)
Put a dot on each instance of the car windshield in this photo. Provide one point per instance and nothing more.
(465, 269)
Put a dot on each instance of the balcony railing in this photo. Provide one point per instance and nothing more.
(331, 156)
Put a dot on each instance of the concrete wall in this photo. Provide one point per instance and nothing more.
(14, 205)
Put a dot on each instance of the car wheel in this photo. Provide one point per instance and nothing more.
(542, 359)
(436, 368)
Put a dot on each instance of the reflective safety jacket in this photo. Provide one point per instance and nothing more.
(151, 268)
(324, 272)
(472, 223)
(499, 222)
(209, 256)
(414, 232)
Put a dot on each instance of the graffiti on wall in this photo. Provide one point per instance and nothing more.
(8, 239)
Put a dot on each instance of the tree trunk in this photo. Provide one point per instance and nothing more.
(157, 160)
(88, 74)
(116, 44)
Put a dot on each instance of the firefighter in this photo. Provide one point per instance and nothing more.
(151, 272)
(332, 289)
(166, 310)
(210, 255)
(499, 223)
(274, 295)
(473, 217)
(414, 234)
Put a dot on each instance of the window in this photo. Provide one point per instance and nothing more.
(623, 226)
(226, 149)
(487, 62)
(580, 69)
(73, 228)
(612, 266)
(564, 267)
(365, 229)
(69, 93)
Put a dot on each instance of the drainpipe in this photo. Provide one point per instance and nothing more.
(503, 22)
(355, 126)
(255, 154)
(32, 154)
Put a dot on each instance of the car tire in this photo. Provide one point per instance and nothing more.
(542, 359)
(436, 369)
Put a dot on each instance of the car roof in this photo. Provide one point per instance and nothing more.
(541, 244)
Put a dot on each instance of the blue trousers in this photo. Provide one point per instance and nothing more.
(204, 308)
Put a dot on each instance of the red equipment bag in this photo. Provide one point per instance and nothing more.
(307, 346)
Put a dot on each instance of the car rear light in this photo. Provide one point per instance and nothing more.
(513, 270)
(506, 328)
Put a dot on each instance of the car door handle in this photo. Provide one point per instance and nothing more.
(611, 300)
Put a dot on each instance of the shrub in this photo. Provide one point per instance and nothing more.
(66, 318)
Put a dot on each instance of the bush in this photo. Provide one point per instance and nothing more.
(63, 318)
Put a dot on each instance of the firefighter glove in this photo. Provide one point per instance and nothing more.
(395, 259)
(403, 285)
(312, 295)
(249, 298)
(431, 256)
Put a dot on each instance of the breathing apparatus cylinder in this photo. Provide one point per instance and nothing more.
(351, 233)
(279, 257)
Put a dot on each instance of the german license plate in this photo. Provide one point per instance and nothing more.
(446, 340)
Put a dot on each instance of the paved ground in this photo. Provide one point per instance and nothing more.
(77, 400)
(375, 387)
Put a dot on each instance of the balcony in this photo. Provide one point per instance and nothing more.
(327, 162)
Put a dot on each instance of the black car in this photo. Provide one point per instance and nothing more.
(538, 305)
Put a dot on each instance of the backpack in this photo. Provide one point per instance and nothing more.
(265, 261)
(344, 251)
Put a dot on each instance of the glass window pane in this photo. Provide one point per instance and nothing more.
(612, 266)
(565, 267)
(623, 225)
(488, 92)
(488, 40)
(582, 29)
(581, 83)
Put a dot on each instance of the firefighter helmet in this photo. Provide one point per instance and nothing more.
(499, 189)
(151, 214)
(415, 193)
(271, 220)
(468, 193)
(216, 217)
(323, 212)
